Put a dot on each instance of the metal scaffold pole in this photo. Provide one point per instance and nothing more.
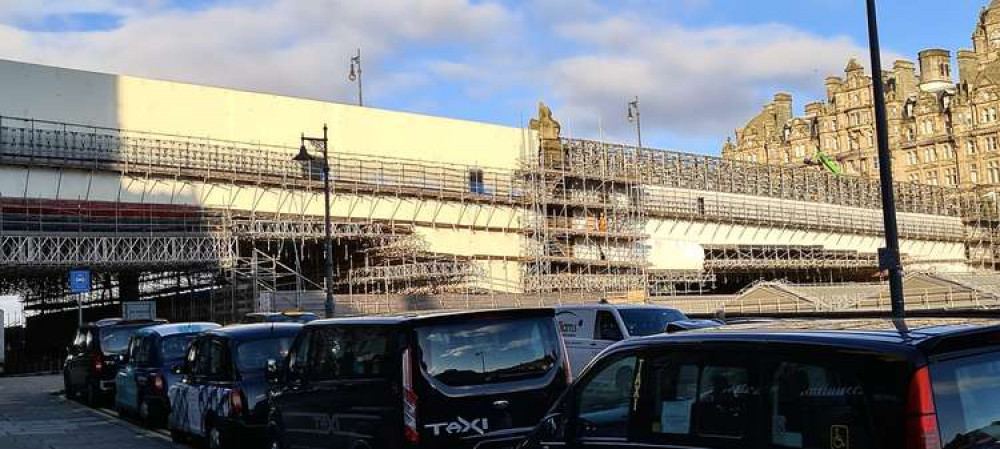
(889, 258)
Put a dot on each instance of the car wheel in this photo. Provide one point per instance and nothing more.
(68, 388)
(215, 438)
(177, 436)
(145, 414)
(92, 396)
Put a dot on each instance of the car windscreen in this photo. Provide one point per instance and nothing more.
(252, 355)
(641, 322)
(114, 339)
(967, 399)
(489, 351)
(173, 347)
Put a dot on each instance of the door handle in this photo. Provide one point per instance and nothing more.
(501, 404)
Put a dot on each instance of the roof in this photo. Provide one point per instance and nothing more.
(257, 330)
(430, 316)
(164, 330)
(614, 306)
(923, 332)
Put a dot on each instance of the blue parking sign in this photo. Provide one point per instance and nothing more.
(79, 281)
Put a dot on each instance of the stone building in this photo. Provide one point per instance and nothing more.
(940, 132)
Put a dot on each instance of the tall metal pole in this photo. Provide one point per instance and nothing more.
(634, 114)
(355, 75)
(889, 258)
(328, 306)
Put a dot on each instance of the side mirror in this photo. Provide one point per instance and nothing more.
(177, 369)
(272, 373)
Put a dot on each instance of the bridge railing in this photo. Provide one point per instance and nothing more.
(40, 142)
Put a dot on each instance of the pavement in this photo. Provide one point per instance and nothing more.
(35, 415)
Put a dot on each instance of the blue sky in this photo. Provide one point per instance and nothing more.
(701, 67)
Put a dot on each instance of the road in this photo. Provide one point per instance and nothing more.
(34, 415)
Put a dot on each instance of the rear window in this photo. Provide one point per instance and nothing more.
(350, 352)
(114, 339)
(967, 398)
(173, 347)
(489, 351)
(253, 355)
(648, 321)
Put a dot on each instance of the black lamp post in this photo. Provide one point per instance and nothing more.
(322, 144)
(889, 259)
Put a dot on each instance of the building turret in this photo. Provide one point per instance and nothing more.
(935, 70)
(905, 74)
(968, 66)
(782, 108)
(814, 109)
(833, 84)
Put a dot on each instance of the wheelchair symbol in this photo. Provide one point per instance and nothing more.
(840, 437)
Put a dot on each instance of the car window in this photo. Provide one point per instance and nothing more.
(606, 327)
(139, 351)
(603, 404)
(114, 339)
(640, 322)
(817, 407)
(298, 360)
(489, 351)
(191, 360)
(350, 352)
(693, 400)
(172, 348)
(253, 355)
(967, 398)
(216, 362)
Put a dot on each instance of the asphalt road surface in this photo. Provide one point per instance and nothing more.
(35, 415)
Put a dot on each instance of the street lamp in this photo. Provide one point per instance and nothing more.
(889, 259)
(355, 75)
(321, 144)
(634, 116)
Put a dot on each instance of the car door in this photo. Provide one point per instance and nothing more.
(184, 395)
(576, 325)
(700, 396)
(125, 386)
(293, 398)
(214, 385)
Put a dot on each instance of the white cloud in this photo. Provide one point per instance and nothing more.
(295, 47)
(694, 82)
(580, 56)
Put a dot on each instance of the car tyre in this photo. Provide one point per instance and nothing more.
(147, 417)
(92, 397)
(177, 436)
(68, 388)
(215, 437)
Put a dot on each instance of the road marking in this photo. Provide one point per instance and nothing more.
(156, 433)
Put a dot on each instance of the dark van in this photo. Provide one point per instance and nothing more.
(440, 380)
(93, 358)
(856, 384)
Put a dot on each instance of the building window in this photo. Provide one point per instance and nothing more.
(914, 177)
(947, 152)
(951, 177)
(974, 176)
(932, 178)
(991, 143)
(476, 184)
(970, 147)
(912, 158)
(993, 172)
(930, 155)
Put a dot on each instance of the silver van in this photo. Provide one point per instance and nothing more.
(588, 329)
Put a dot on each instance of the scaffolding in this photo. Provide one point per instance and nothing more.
(584, 211)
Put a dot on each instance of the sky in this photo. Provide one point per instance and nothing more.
(700, 67)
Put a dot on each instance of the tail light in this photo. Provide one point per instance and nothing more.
(410, 431)
(98, 363)
(236, 401)
(921, 415)
(158, 383)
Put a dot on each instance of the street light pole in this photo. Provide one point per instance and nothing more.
(355, 75)
(889, 258)
(323, 145)
(635, 116)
